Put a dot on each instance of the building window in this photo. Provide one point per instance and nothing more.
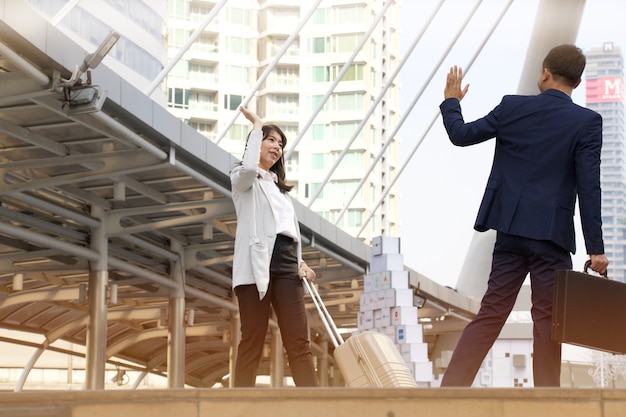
(320, 45)
(176, 38)
(339, 15)
(346, 43)
(285, 104)
(354, 218)
(177, 98)
(197, 12)
(276, 44)
(237, 45)
(201, 101)
(287, 76)
(290, 131)
(237, 74)
(320, 16)
(349, 101)
(352, 160)
(237, 16)
(330, 73)
(180, 70)
(232, 101)
(317, 161)
(238, 132)
(206, 44)
(202, 72)
(201, 127)
(353, 73)
(345, 130)
(205, 129)
(315, 101)
(317, 132)
(314, 187)
(355, 14)
(319, 74)
(344, 189)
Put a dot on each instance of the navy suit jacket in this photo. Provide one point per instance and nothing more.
(547, 153)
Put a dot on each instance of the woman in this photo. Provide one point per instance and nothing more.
(267, 264)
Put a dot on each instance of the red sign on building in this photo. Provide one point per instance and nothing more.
(604, 90)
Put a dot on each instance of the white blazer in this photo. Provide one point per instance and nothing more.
(256, 224)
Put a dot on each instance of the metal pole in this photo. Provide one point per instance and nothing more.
(41, 78)
(176, 325)
(97, 327)
(19, 386)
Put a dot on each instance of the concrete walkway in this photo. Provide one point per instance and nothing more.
(321, 402)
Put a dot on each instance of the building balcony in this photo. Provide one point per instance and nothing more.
(204, 54)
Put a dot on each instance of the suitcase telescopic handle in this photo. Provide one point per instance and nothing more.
(588, 264)
(327, 319)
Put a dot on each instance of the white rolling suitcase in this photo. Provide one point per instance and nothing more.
(368, 359)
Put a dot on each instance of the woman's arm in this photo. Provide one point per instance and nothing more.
(242, 176)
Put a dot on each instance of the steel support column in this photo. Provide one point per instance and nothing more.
(97, 326)
(176, 326)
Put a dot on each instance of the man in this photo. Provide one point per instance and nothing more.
(547, 153)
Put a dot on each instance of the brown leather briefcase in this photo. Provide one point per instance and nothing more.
(589, 311)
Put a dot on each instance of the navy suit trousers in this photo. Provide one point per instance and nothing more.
(513, 258)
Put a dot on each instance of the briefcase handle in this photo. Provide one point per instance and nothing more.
(588, 264)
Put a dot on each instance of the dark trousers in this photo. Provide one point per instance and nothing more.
(513, 258)
(286, 295)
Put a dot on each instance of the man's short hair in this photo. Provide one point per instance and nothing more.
(567, 63)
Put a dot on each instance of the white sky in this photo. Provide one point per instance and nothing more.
(442, 185)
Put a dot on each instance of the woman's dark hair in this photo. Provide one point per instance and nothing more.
(566, 62)
(279, 167)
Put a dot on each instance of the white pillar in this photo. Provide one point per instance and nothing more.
(176, 326)
(96, 300)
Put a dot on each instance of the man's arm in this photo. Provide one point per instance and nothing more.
(587, 165)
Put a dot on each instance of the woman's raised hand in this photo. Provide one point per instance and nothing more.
(256, 121)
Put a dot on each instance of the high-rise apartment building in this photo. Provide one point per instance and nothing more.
(240, 46)
(605, 94)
